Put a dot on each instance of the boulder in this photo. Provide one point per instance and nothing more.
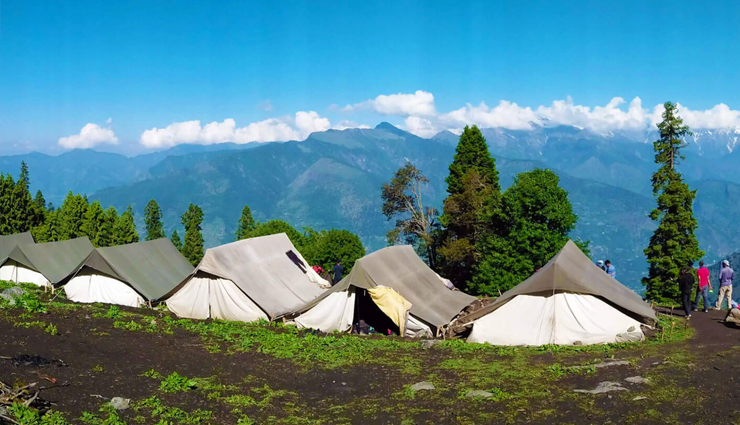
(423, 385)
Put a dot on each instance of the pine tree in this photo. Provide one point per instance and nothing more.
(175, 239)
(70, 217)
(532, 226)
(153, 221)
(107, 231)
(192, 249)
(6, 186)
(472, 184)
(125, 228)
(246, 224)
(39, 200)
(674, 244)
(93, 221)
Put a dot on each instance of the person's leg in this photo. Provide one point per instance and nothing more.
(696, 300)
(720, 295)
(686, 303)
(705, 297)
(729, 297)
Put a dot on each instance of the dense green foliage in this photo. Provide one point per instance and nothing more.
(153, 221)
(175, 239)
(192, 248)
(19, 212)
(673, 245)
(530, 228)
(472, 183)
(246, 224)
(416, 224)
(125, 228)
(327, 247)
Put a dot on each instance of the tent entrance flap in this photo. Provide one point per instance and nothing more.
(392, 304)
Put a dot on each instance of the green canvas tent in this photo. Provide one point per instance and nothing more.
(47, 263)
(9, 242)
(129, 274)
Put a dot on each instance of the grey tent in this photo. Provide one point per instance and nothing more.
(569, 299)
(251, 279)
(54, 261)
(129, 274)
(9, 242)
(399, 268)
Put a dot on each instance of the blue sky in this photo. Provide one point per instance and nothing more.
(128, 67)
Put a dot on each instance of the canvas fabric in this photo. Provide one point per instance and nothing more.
(392, 304)
(12, 271)
(570, 271)
(55, 261)
(89, 286)
(151, 268)
(335, 313)
(268, 270)
(399, 267)
(562, 319)
(9, 242)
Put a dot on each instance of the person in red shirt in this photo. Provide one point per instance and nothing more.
(704, 287)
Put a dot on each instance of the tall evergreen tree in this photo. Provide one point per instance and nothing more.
(175, 239)
(472, 183)
(673, 245)
(106, 235)
(93, 221)
(153, 221)
(246, 224)
(39, 200)
(125, 228)
(192, 248)
(6, 187)
(532, 226)
(70, 217)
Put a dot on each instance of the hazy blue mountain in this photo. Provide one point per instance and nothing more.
(333, 179)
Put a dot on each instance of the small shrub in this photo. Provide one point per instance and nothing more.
(129, 326)
(176, 383)
(51, 329)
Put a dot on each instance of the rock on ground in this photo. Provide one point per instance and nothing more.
(479, 393)
(423, 385)
(120, 403)
(637, 380)
(604, 387)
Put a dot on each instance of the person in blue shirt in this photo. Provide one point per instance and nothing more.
(338, 269)
(609, 269)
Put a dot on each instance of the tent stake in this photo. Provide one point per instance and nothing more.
(673, 324)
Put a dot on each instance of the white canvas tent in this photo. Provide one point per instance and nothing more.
(10, 269)
(128, 275)
(433, 304)
(251, 279)
(568, 301)
(45, 264)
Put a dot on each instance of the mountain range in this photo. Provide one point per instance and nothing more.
(333, 179)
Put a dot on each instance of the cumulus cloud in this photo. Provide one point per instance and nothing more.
(421, 116)
(89, 136)
(420, 103)
(281, 129)
(345, 124)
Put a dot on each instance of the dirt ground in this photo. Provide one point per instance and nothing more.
(694, 381)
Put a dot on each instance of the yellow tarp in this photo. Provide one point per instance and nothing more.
(392, 304)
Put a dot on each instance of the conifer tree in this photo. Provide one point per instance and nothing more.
(125, 228)
(175, 239)
(153, 221)
(674, 244)
(70, 217)
(192, 248)
(106, 235)
(93, 221)
(472, 183)
(246, 224)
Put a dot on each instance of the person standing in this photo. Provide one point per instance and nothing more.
(725, 285)
(337, 272)
(704, 287)
(685, 285)
(609, 269)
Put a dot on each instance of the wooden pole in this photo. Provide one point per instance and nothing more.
(673, 324)
(662, 333)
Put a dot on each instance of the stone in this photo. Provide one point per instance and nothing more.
(14, 291)
(637, 380)
(423, 385)
(639, 397)
(120, 403)
(479, 393)
(604, 387)
(429, 343)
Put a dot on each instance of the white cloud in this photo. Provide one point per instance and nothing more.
(420, 103)
(421, 116)
(90, 135)
(344, 124)
(269, 130)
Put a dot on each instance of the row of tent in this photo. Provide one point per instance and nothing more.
(568, 301)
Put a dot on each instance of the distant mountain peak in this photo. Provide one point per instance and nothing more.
(389, 127)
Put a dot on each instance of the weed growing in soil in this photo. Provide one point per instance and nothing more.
(24, 415)
(114, 312)
(168, 415)
(176, 383)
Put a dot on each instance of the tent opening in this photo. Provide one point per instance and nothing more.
(368, 314)
(18, 273)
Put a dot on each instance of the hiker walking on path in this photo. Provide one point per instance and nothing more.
(704, 287)
(725, 285)
(685, 285)
(609, 269)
